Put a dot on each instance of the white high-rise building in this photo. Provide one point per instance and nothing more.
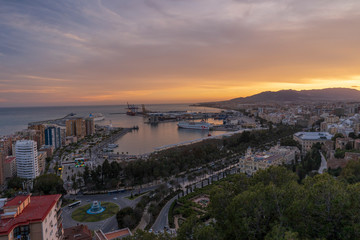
(26, 159)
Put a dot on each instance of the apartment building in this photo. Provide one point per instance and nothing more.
(27, 163)
(32, 217)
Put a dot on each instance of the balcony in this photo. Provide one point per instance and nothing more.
(59, 214)
(59, 233)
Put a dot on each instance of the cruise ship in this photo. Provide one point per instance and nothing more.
(97, 116)
(195, 125)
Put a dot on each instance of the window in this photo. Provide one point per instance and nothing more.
(21, 231)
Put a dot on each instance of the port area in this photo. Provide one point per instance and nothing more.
(223, 121)
(175, 116)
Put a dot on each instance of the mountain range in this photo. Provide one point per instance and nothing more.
(293, 96)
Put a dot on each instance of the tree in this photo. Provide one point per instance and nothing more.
(127, 217)
(353, 135)
(288, 142)
(79, 182)
(339, 153)
(322, 206)
(15, 183)
(56, 168)
(48, 159)
(351, 172)
(203, 232)
(348, 146)
(106, 169)
(187, 229)
(273, 205)
(337, 135)
(142, 235)
(49, 184)
(279, 232)
(86, 174)
(74, 183)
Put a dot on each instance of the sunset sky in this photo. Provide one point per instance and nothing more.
(173, 51)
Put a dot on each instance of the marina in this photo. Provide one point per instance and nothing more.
(145, 136)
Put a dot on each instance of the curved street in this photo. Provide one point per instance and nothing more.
(162, 220)
(106, 225)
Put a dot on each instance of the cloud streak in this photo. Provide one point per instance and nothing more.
(159, 50)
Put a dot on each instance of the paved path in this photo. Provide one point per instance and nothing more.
(323, 165)
(145, 219)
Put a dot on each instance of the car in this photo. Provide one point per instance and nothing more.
(150, 230)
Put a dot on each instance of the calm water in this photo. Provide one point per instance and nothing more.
(142, 141)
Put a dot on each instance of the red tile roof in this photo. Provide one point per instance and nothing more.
(118, 234)
(17, 200)
(36, 211)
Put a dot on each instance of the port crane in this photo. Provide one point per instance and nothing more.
(131, 109)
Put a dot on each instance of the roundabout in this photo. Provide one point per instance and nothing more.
(95, 212)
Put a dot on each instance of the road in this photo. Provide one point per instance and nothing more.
(323, 165)
(106, 225)
(162, 220)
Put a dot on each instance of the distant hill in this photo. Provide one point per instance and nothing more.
(316, 95)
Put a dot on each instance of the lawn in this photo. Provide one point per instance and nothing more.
(80, 214)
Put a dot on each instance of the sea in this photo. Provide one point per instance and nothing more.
(144, 140)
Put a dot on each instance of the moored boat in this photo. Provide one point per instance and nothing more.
(195, 125)
(97, 116)
(112, 145)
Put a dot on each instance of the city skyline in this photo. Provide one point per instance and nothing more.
(111, 52)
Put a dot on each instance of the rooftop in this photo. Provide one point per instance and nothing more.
(36, 211)
(16, 200)
(118, 234)
(113, 235)
(24, 142)
(80, 232)
(313, 135)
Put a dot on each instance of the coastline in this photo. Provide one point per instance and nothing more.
(212, 105)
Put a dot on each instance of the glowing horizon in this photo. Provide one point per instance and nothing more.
(156, 51)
